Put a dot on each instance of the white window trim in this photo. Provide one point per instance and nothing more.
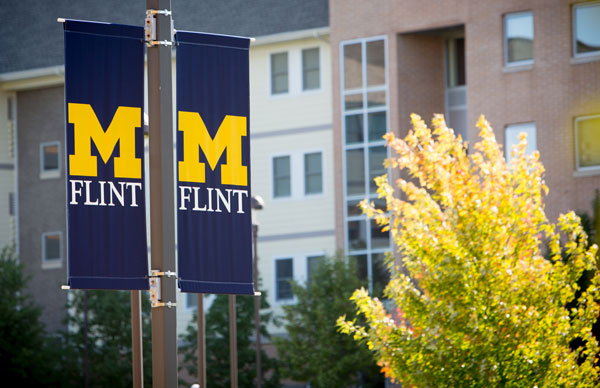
(50, 173)
(524, 64)
(297, 175)
(307, 256)
(276, 95)
(306, 91)
(295, 73)
(583, 57)
(294, 276)
(507, 150)
(583, 171)
(54, 263)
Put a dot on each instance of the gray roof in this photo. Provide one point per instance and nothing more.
(31, 37)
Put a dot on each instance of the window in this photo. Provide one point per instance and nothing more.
(587, 142)
(312, 262)
(279, 73)
(284, 273)
(586, 29)
(365, 120)
(518, 38)
(456, 74)
(191, 301)
(282, 179)
(313, 173)
(311, 76)
(51, 249)
(50, 160)
(511, 138)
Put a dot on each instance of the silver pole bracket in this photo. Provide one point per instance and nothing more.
(150, 28)
(165, 12)
(155, 288)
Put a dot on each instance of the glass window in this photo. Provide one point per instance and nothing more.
(51, 246)
(357, 235)
(279, 73)
(354, 129)
(379, 239)
(455, 62)
(312, 262)
(518, 38)
(50, 161)
(587, 132)
(511, 138)
(377, 125)
(360, 262)
(377, 156)
(282, 182)
(352, 66)
(191, 301)
(353, 101)
(375, 63)
(381, 274)
(311, 78)
(284, 273)
(586, 25)
(355, 172)
(375, 99)
(313, 173)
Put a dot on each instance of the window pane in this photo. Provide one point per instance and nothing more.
(52, 246)
(191, 301)
(455, 62)
(352, 66)
(281, 176)
(519, 37)
(353, 101)
(357, 235)
(279, 73)
(377, 125)
(587, 28)
(375, 63)
(512, 138)
(313, 176)
(310, 69)
(376, 99)
(312, 263)
(354, 208)
(381, 274)
(355, 172)
(360, 263)
(354, 129)
(376, 157)
(379, 239)
(588, 142)
(50, 157)
(284, 273)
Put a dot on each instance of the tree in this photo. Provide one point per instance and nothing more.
(104, 342)
(217, 344)
(477, 304)
(313, 351)
(25, 348)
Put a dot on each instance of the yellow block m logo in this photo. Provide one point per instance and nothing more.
(196, 136)
(121, 129)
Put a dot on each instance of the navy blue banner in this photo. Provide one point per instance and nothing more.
(214, 223)
(104, 91)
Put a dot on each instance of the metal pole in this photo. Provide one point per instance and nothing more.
(201, 342)
(136, 339)
(233, 366)
(162, 205)
(257, 310)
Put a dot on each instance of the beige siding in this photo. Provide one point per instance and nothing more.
(7, 171)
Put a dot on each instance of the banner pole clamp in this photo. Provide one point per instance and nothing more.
(150, 28)
(155, 289)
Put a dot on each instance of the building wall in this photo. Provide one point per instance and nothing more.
(551, 93)
(40, 116)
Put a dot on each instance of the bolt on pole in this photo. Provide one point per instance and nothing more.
(162, 196)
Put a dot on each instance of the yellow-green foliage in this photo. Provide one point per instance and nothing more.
(476, 303)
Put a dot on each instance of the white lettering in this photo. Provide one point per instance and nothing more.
(87, 194)
(75, 191)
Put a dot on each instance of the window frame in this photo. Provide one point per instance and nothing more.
(303, 70)
(593, 54)
(273, 185)
(54, 173)
(307, 257)
(189, 307)
(578, 169)
(525, 62)
(272, 74)
(277, 279)
(304, 174)
(54, 262)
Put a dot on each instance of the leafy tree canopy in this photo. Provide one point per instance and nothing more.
(477, 302)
